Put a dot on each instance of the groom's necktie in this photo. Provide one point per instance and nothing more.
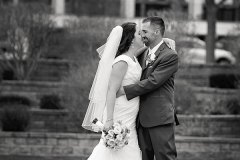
(148, 59)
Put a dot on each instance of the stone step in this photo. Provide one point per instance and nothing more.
(51, 145)
(48, 70)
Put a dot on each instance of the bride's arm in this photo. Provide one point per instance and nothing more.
(118, 72)
(140, 51)
(170, 43)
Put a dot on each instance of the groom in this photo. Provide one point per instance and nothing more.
(155, 122)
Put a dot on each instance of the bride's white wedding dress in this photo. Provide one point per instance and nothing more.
(125, 111)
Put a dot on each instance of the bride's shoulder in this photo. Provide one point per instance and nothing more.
(122, 57)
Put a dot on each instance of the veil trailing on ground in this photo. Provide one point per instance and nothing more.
(98, 92)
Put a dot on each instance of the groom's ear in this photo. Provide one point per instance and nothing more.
(157, 31)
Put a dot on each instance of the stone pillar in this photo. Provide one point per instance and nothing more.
(15, 2)
(195, 9)
(128, 8)
(58, 6)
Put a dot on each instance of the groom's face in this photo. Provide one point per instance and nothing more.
(148, 33)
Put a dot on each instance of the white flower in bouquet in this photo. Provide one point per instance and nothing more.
(119, 137)
(111, 142)
(108, 136)
(111, 132)
(117, 130)
(121, 144)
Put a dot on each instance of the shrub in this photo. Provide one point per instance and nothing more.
(8, 75)
(50, 102)
(15, 118)
(14, 99)
(233, 106)
(224, 81)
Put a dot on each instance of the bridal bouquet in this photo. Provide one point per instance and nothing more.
(115, 137)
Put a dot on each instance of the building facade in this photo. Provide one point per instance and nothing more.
(228, 14)
(196, 9)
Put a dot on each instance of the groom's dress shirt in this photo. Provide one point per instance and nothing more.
(151, 52)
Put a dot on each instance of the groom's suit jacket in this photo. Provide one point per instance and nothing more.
(156, 88)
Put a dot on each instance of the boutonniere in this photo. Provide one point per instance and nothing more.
(151, 59)
(150, 63)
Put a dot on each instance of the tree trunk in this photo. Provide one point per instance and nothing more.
(210, 39)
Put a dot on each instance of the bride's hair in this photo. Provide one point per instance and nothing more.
(129, 30)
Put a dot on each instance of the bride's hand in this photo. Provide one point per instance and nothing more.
(120, 92)
(170, 43)
(108, 124)
(140, 51)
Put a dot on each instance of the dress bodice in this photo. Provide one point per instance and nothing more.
(127, 110)
(134, 70)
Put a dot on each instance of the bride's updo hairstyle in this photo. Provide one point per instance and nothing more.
(129, 30)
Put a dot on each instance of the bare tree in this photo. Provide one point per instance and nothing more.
(211, 21)
(28, 31)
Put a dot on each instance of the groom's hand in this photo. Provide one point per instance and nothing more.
(120, 92)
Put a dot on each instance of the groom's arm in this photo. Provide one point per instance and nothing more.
(167, 67)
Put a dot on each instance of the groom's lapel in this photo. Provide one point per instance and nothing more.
(157, 54)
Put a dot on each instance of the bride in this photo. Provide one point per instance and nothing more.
(118, 67)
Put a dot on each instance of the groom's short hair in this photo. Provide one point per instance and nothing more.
(155, 20)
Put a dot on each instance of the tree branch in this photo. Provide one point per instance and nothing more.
(220, 4)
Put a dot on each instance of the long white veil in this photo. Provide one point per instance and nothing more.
(98, 92)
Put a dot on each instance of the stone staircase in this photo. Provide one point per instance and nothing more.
(197, 138)
(51, 146)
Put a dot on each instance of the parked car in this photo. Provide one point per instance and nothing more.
(193, 50)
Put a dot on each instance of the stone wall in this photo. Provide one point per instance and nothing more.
(209, 126)
(198, 125)
(32, 90)
(199, 74)
(56, 70)
(81, 145)
(47, 70)
(52, 121)
(216, 101)
(46, 144)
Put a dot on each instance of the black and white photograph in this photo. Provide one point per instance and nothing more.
(119, 79)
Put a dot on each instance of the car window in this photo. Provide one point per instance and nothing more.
(198, 45)
(186, 44)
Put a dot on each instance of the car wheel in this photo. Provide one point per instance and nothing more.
(223, 61)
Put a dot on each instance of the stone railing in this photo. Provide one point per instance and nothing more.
(81, 145)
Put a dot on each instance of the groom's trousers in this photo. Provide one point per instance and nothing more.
(158, 141)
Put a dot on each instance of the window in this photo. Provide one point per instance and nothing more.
(144, 7)
(225, 13)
